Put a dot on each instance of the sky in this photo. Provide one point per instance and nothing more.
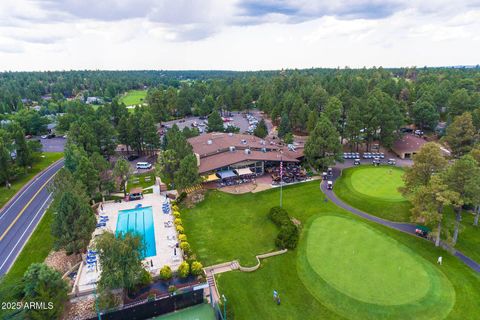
(236, 34)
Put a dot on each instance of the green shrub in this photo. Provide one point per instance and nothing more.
(165, 273)
(288, 234)
(180, 229)
(185, 246)
(287, 237)
(196, 268)
(183, 270)
(279, 216)
(145, 278)
(182, 237)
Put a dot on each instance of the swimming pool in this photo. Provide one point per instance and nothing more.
(139, 221)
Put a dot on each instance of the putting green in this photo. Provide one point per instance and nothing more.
(361, 273)
(378, 182)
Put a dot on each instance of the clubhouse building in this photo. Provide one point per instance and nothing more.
(229, 155)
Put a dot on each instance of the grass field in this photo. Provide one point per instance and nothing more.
(374, 190)
(47, 159)
(134, 97)
(198, 312)
(226, 226)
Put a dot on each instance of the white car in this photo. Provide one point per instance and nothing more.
(144, 165)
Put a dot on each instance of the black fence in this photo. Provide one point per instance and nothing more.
(148, 309)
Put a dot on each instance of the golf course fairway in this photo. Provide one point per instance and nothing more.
(361, 273)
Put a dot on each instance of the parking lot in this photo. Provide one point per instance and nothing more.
(238, 119)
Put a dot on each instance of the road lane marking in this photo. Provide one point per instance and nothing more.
(25, 208)
(4, 213)
(23, 234)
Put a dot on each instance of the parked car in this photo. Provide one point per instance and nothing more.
(356, 162)
(144, 165)
(382, 155)
(376, 161)
(419, 132)
(392, 162)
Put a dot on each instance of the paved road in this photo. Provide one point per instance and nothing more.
(404, 227)
(20, 216)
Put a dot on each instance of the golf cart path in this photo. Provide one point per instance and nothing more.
(400, 226)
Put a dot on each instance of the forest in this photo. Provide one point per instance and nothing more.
(376, 101)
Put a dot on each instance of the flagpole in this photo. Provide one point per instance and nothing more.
(281, 179)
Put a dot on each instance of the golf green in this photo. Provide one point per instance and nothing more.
(378, 182)
(361, 273)
(375, 191)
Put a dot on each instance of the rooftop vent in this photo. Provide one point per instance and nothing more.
(248, 151)
(244, 141)
(209, 141)
(264, 150)
(230, 134)
(231, 148)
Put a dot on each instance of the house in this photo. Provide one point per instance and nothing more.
(407, 146)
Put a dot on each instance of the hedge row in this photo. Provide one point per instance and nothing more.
(288, 235)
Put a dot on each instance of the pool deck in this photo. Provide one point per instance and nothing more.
(164, 247)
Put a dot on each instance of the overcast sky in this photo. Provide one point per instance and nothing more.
(236, 35)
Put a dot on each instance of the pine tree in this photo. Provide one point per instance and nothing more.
(73, 224)
(215, 122)
(323, 145)
(261, 130)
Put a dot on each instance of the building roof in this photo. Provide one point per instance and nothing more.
(214, 150)
(408, 144)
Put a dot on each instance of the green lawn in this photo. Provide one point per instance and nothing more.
(374, 190)
(141, 181)
(134, 97)
(35, 250)
(224, 227)
(469, 237)
(47, 159)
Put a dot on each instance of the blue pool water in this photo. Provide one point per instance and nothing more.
(139, 221)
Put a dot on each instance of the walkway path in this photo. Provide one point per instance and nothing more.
(404, 227)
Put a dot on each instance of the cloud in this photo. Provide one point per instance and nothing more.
(302, 10)
(236, 34)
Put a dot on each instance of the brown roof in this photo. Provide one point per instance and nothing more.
(224, 159)
(214, 152)
(408, 143)
(220, 141)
